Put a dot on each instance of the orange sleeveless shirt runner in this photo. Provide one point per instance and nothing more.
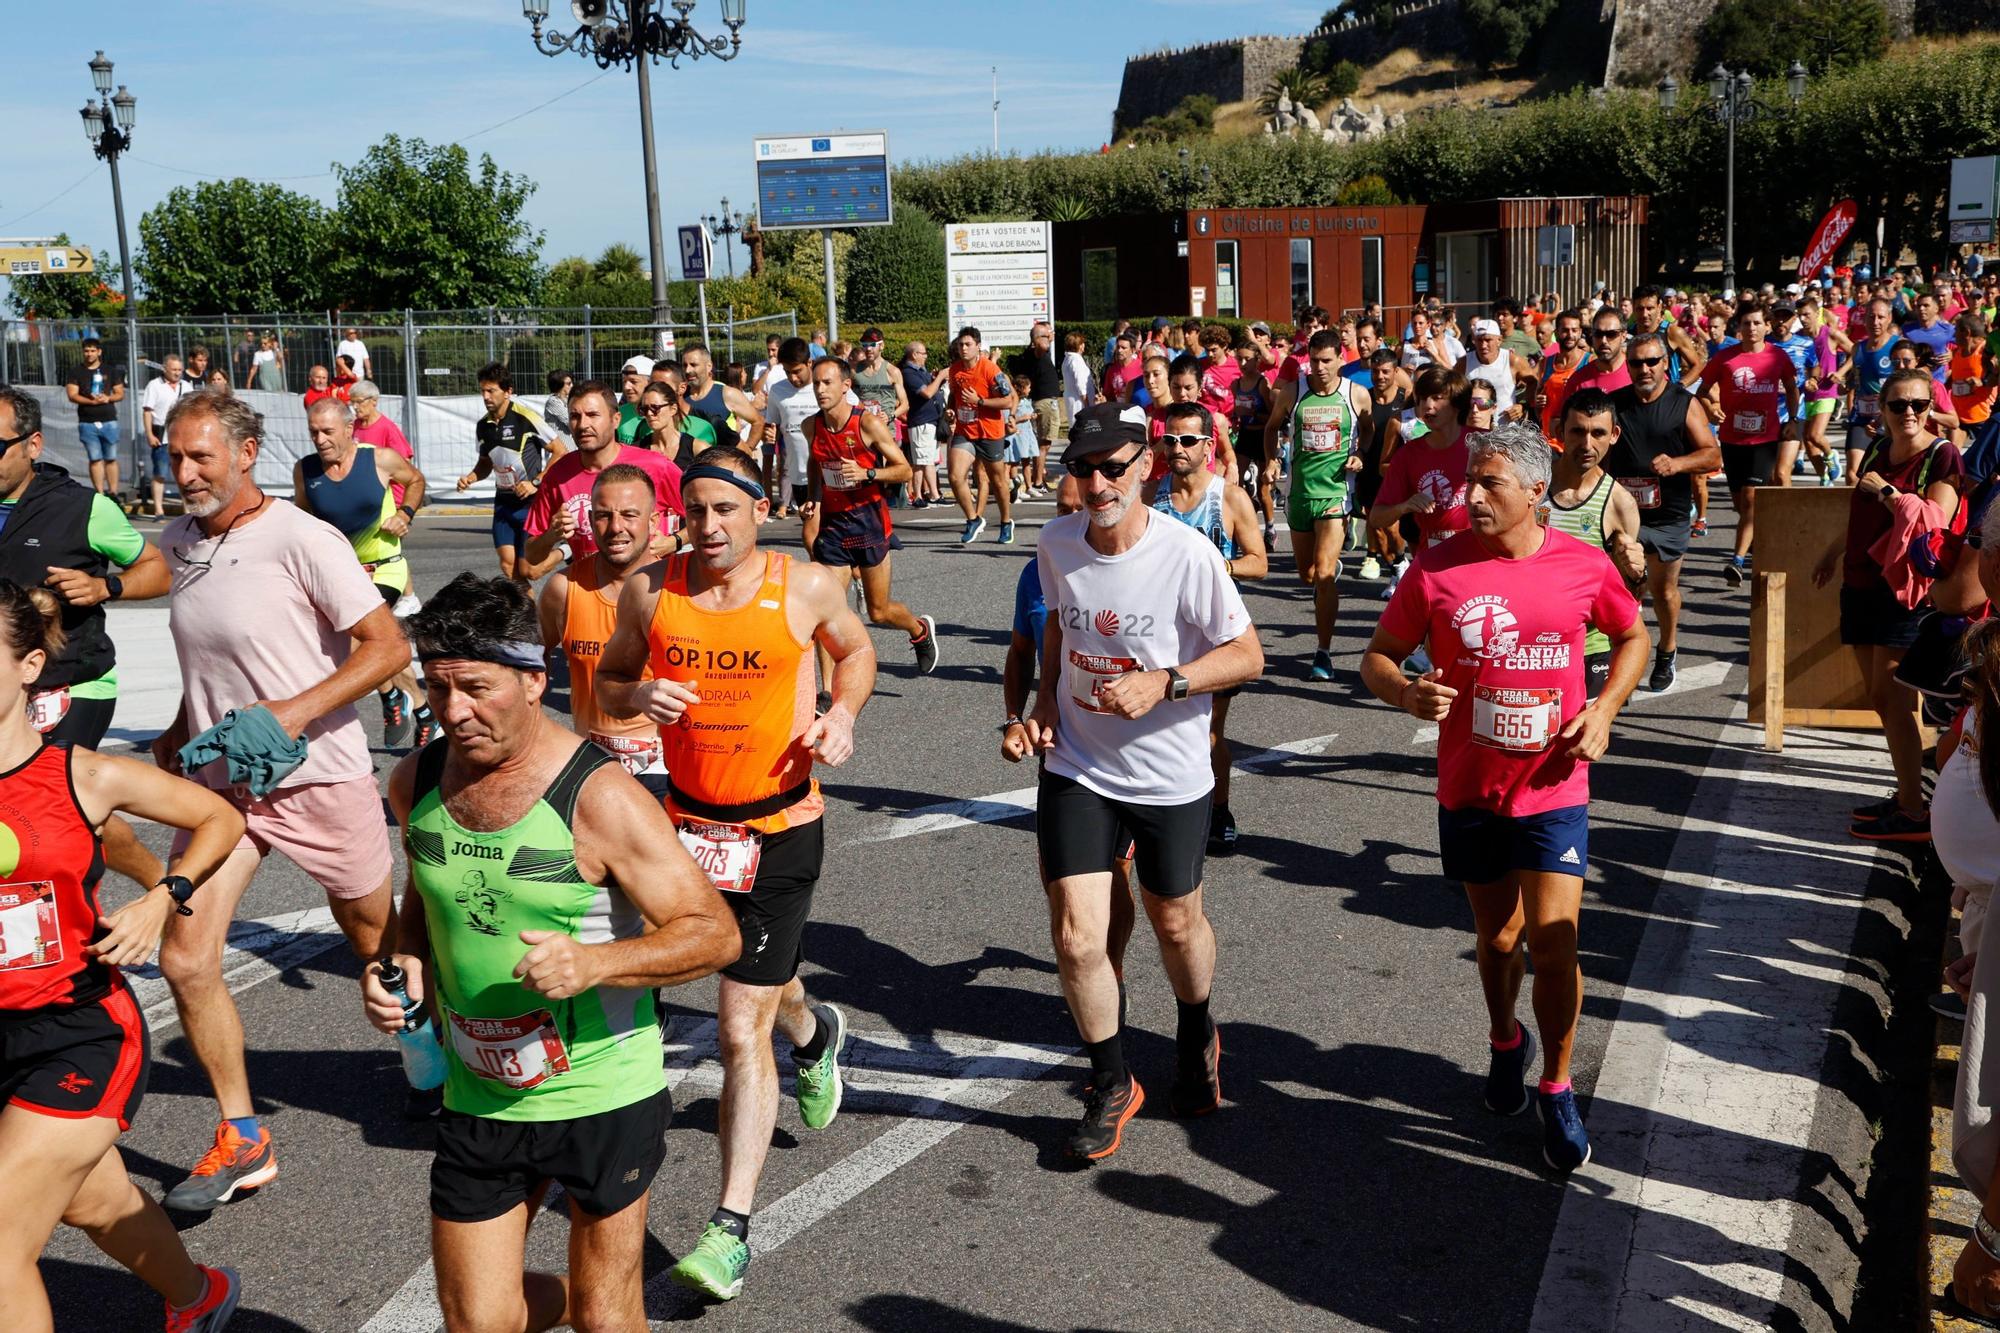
(587, 624)
(739, 746)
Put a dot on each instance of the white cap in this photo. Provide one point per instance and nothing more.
(1485, 328)
(1671, 294)
(642, 364)
(1793, 289)
(1728, 294)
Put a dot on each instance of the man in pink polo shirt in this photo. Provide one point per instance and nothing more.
(1504, 607)
(1745, 382)
(561, 511)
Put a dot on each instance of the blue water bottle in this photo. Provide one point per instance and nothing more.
(423, 1057)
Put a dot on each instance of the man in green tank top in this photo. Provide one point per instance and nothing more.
(1588, 504)
(552, 895)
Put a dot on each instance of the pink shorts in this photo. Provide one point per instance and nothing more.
(334, 831)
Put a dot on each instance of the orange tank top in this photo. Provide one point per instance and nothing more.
(1555, 383)
(739, 746)
(1972, 400)
(588, 620)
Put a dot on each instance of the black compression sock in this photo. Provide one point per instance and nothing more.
(816, 1046)
(1195, 1024)
(736, 1224)
(1107, 1062)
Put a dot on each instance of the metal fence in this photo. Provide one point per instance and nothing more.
(432, 357)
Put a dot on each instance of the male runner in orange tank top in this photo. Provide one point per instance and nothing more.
(579, 608)
(727, 630)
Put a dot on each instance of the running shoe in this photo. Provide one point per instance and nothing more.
(819, 1085)
(234, 1163)
(1007, 533)
(1221, 831)
(1564, 1144)
(212, 1311)
(1833, 469)
(1897, 826)
(973, 527)
(1665, 672)
(926, 648)
(1949, 1004)
(920, 504)
(1102, 1128)
(1698, 528)
(1507, 1090)
(1322, 666)
(1197, 1088)
(715, 1266)
(396, 726)
(1877, 810)
(426, 729)
(1270, 534)
(1735, 571)
(1371, 569)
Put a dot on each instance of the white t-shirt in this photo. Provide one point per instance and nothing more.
(160, 397)
(766, 375)
(308, 590)
(357, 349)
(791, 404)
(1163, 603)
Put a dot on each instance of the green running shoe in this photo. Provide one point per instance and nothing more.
(819, 1083)
(715, 1266)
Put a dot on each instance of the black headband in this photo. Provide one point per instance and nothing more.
(519, 654)
(713, 472)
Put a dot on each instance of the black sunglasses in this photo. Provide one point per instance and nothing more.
(1607, 333)
(1645, 360)
(1910, 405)
(9, 441)
(1083, 468)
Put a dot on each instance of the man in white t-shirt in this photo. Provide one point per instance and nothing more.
(790, 402)
(158, 399)
(1144, 626)
(354, 349)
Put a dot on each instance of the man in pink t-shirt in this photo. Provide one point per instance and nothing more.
(1126, 370)
(561, 511)
(1504, 608)
(1744, 385)
(1605, 367)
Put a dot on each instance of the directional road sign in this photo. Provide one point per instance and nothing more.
(23, 261)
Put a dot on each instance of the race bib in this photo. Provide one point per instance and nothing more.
(727, 853)
(1645, 491)
(1963, 388)
(506, 478)
(636, 754)
(1089, 674)
(1867, 404)
(48, 708)
(829, 478)
(1319, 430)
(967, 415)
(1520, 720)
(30, 931)
(1748, 423)
(519, 1053)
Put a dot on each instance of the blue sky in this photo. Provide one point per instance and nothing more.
(278, 90)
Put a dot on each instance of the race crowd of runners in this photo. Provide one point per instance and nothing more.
(1509, 497)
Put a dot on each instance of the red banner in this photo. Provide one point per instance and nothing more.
(1833, 229)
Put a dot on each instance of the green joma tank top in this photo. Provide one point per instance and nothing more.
(513, 1054)
(1585, 521)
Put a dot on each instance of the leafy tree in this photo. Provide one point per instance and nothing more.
(1343, 79)
(68, 295)
(1766, 36)
(1192, 117)
(619, 260)
(896, 272)
(1502, 31)
(1365, 192)
(228, 246)
(1303, 86)
(417, 226)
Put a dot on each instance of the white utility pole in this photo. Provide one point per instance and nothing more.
(996, 110)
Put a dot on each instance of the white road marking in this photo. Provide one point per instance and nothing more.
(1703, 1107)
(256, 952)
(1011, 804)
(933, 1088)
(1700, 676)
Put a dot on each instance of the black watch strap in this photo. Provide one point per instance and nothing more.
(180, 888)
(114, 587)
(1177, 684)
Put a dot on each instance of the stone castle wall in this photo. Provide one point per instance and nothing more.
(1650, 37)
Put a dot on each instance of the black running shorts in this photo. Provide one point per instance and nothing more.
(1749, 464)
(773, 915)
(89, 1061)
(1082, 833)
(484, 1168)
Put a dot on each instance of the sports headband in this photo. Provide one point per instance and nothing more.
(712, 472)
(519, 654)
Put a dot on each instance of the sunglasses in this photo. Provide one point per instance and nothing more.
(1083, 469)
(1182, 442)
(1645, 361)
(1607, 333)
(9, 441)
(1912, 406)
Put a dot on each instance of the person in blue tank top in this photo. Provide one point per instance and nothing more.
(1874, 360)
(715, 402)
(1222, 512)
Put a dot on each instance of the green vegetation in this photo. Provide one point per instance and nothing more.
(1192, 118)
(92, 295)
(1343, 79)
(896, 272)
(1766, 36)
(1501, 32)
(233, 246)
(1304, 87)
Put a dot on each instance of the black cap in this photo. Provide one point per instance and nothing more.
(1104, 427)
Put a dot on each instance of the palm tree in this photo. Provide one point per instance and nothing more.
(1303, 87)
(619, 261)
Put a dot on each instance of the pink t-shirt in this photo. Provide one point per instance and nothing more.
(1416, 468)
(1591, 372)
(308, 591)
(1218, 384)
(1508, 635)
(1118, 380)
(1753, 386)
(386, 434)
(567, 483)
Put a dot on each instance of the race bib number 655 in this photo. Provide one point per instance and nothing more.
(1521, 720)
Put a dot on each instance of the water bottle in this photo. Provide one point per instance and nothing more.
(423, 1057)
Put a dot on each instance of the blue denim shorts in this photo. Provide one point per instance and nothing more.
(100, 440)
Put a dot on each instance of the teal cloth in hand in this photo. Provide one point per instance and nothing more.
(255, 750)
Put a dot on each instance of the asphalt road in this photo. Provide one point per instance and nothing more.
(1351, 1181)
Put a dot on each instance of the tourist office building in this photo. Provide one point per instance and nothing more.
(1263, 263)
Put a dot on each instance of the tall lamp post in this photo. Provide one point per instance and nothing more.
(725, 225)
(1732, 102)
(107, 123)
(633, 34)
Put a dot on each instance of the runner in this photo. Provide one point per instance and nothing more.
(578, 607)
(1819, 392)
(560, 513)
(1685, 355)
(1389, 388)
(1222, 512)
(323, 639)
(1425, 481)
(1665, 450)
(74, 1051)
(1872, 364)
(632, 377)
(1330, 419)
(790, 402)
(1605, 367)
(347, 484)
(514, 451)
(727, 410)
(1507, 371)
(1143, 625)
(1504, 608)
(1557, 367)
(854, 455)
(981, 399)
(1588, 504)
(1749, 381)
(727, 630)
(547, 897)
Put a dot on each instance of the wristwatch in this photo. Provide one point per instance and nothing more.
(114, 587)
(1013, 720)
(180, 888)
(871, 474)
(1177, 684)
(406, 511)
(1886, 494)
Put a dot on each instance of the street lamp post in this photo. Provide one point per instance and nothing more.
(633, 33)
(725, 225)
(107, 123)
(1732, 102)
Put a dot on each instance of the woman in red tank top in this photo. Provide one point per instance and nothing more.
(73, 1044)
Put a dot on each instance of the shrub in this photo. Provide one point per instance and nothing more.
(1502, 31)
(896, 272)
(1766, 36)
(1343, 79)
